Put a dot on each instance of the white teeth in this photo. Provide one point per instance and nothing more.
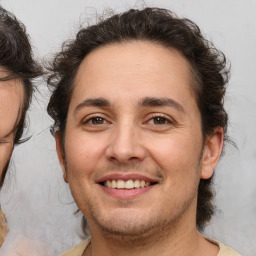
(137, 184)
(114, 185)
(108, 184)
(129, 184)
(120, 184)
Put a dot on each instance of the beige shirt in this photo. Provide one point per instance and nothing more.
(3, 227)
(79, 249)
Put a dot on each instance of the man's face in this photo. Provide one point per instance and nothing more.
(11, 98)
(133, 141)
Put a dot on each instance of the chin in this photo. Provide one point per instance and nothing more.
(122, 221)
(126, 228)
(129, 223)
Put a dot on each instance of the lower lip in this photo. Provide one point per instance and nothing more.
(126, 193)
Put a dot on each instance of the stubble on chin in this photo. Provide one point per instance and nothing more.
(139, 232)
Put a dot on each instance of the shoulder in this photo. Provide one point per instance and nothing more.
(226, 251)
(3, 227)
(18, 243)
(79, 249)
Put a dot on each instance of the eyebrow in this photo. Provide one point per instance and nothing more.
(159, 102)
(145, 102)
(95, 102)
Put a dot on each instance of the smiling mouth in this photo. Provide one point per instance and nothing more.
(127, 184)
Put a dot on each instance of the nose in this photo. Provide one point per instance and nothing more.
(125, 145)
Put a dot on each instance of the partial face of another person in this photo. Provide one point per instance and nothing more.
(133, 146)
(11, 101)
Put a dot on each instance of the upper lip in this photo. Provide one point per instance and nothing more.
(125, 177)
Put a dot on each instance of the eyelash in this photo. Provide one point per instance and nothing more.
(162, 117)
(89, 119)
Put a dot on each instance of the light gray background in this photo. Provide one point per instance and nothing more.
(36, 200)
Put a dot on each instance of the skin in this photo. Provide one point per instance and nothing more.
(132, 135)
(11, 99)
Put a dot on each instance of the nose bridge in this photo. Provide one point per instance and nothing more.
(125, 143)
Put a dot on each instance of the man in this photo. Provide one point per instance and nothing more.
(17, 69)
(139, 128)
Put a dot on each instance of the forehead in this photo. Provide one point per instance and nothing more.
(133, 69)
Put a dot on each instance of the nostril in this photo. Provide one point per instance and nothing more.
(133, 158)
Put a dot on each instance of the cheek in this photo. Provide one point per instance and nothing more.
(5, 155)
(11, 98)
(83, 154)
(178, 156)
(175, 148)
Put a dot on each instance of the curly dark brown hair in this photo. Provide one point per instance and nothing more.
(160, 26)
(17, 60)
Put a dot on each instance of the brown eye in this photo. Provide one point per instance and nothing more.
(97, 120)
(160, 120)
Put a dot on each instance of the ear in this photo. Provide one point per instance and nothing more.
(60, 154)
(212, 151)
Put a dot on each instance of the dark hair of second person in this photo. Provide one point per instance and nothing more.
(17, 62)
